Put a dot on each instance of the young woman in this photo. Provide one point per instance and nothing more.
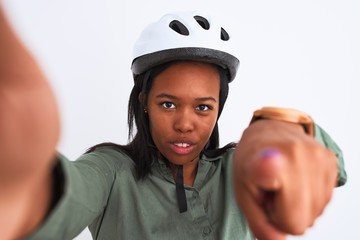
(172, 181)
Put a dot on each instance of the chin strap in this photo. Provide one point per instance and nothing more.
(180, 190)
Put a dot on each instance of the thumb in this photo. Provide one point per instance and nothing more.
(265, 172)
(266, 168)
(259, 188)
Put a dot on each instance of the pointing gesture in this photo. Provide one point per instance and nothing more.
(283, 178)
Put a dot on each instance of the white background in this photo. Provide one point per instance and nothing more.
(299, 54)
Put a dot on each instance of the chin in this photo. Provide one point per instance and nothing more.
(183, 160)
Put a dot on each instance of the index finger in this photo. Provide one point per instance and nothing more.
(258, 221)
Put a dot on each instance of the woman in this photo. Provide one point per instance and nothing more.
(172, 181)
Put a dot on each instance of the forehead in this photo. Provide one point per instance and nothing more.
(188, 78)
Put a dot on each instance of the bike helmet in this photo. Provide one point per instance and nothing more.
(184, 36)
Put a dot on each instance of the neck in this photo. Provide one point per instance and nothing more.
(189, 172)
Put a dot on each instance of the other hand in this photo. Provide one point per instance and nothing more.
(283, 178)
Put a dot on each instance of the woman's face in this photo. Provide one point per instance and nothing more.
(183, 106)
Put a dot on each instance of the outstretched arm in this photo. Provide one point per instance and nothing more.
(29, 131)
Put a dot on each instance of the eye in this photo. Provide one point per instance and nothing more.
(167, 105)
(203, 108)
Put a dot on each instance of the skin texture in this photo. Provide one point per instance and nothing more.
(29, 130)
(283, 178)
(183, 107)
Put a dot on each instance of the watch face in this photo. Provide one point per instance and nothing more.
(287, 115)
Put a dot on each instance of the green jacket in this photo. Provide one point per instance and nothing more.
(100, 190)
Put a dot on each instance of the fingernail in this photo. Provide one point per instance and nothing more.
(269, 153)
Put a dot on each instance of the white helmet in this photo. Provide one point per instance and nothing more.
(184, 36)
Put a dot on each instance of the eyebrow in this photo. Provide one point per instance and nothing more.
(169, 96)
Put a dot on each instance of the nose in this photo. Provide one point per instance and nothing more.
(184, 121)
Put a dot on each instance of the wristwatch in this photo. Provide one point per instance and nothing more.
(286, 115)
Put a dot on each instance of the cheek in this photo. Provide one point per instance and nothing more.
(205, 127)
(159, 125)
(208, 127)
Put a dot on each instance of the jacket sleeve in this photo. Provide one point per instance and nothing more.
(82, 187)
(325, 139)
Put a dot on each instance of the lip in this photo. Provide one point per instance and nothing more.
(182, 146)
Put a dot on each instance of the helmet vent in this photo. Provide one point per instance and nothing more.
(179, 27)
(202, 22)
(224, 35)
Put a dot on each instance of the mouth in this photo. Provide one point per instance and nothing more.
(182, 147)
